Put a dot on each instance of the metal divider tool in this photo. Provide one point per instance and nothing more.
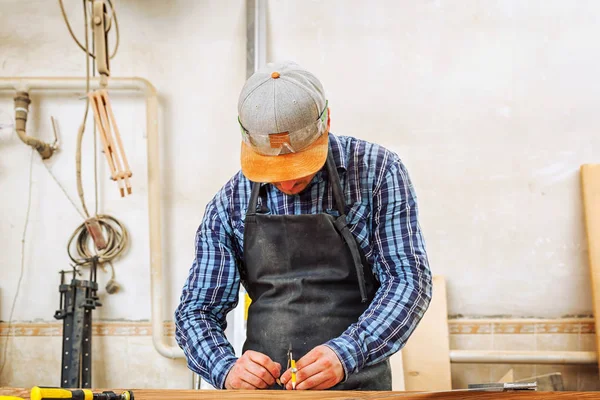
(292, 365)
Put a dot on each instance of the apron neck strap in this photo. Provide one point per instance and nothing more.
(253, 198)
(336, 186)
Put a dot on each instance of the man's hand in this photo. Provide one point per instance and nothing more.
(253, 370)
(319, 369)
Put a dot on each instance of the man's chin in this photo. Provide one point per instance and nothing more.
(293, 191)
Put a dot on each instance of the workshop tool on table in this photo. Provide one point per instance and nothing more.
(292, 364)
(50, 393)
(77, 300)
(552, 382)
(503, 387)
(103, 113)
(482, 387)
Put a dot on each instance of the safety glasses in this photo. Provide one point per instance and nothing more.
(275, 144)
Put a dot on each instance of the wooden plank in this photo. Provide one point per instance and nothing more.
(160, 394)
(397, 366)
(426, 355)
(508, 377)
(590, 191)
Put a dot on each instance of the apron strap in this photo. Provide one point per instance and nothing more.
(342, 225)
(336, 186)
(253, 199)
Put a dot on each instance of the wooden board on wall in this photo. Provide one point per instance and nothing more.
(397, 366)
(590, 191)
(426, 356)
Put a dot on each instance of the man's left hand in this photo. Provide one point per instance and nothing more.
(319, 369)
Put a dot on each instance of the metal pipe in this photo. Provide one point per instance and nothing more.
(22, 102)
(73, 83)
(256, 35)
(154, 214)
(522, 357)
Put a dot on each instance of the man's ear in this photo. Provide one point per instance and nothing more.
(328, 118)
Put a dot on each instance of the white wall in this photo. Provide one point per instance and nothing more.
(491, 104)
(194, 53)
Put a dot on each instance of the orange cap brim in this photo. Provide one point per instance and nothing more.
(259, 168)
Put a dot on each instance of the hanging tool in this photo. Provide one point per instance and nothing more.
(49, 393)
(292, 364)
(114, 150)
(77, 300)
(101, 25)
(101, 107)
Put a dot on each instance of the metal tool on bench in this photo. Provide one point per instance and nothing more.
(49, 393)
(503, 387)
(292, 365)
(486, 387)
(77, 300)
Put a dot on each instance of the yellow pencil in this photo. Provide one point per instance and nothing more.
(294, 370)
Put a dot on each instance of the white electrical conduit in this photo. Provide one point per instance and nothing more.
(156, 270)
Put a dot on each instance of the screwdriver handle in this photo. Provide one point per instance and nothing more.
(50, 393)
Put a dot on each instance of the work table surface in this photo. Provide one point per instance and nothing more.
(167, 394)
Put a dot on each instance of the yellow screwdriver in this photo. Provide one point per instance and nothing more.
(50, 393)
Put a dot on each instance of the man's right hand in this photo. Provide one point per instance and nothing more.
(253, 370)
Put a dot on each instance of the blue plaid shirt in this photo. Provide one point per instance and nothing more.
(382, 215)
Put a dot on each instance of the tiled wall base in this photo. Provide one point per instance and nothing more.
(574, 334)
(118, 362)
(575, 377)
(125, 357)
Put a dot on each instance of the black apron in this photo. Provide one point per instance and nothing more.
(305, 276)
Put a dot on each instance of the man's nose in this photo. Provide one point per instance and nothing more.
(288, 185)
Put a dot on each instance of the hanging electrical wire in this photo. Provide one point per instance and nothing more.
(114, 234)
(85, 114)
(22, 271)
(100, 237)
(116, 240)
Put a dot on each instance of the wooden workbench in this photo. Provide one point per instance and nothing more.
(158, 394)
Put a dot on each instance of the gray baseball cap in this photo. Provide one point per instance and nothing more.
(284, 120)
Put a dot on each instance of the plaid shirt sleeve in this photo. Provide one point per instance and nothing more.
(401, 265)
(210, 292)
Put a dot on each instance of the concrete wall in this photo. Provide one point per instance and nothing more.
(491, 105)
